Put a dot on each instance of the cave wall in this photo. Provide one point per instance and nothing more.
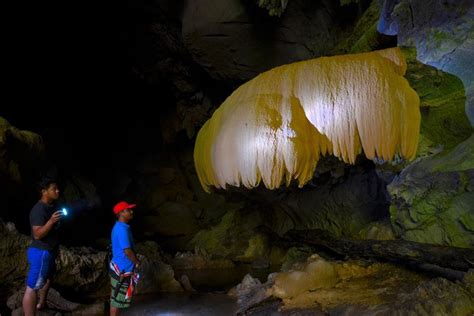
(441, 31)
(190, 55)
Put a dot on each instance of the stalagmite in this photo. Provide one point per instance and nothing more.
(275, 127)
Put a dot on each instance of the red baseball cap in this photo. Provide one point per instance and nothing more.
(120, 206)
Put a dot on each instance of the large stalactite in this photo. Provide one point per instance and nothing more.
(275, 127)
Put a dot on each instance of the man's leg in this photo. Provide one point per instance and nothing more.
(29, 302)
(117, 296)
(114, 311)
(43, 294)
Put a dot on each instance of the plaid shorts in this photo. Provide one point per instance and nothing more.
(117, 295)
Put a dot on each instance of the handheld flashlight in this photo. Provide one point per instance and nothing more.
(64, 211)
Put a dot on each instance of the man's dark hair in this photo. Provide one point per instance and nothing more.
(44, 183)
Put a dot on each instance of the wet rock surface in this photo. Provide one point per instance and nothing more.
(357, 287)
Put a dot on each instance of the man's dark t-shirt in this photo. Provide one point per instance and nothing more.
(39, 215)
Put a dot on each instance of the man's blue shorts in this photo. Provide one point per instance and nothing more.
(41, 267)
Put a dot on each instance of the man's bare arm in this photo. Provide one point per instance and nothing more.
(40, 232)
(132, 256)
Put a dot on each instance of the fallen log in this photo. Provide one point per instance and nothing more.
(393, 250)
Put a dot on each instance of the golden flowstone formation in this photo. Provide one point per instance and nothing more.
(275, 127)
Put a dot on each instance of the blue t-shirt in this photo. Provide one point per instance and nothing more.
(121, 240)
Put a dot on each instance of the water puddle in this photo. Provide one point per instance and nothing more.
(183, 304)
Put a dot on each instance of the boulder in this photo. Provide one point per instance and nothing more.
(156, 275)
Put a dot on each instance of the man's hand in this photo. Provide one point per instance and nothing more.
(132, 256)
(40, 232)
(56, 217)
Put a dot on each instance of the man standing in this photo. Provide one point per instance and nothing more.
(41, 254)
(123, 277)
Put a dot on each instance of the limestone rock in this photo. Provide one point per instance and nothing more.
(444, 123)
(13, 266)
(157, 276)
(235, 237)
(83, 270)
(378, 231)
(232, 41)
(251, 292)
(434, 198)
(196, 261)
(343, 208)
(274, 7)
(442, 31)
(20, 151)
(317, 274)
(172, 219)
